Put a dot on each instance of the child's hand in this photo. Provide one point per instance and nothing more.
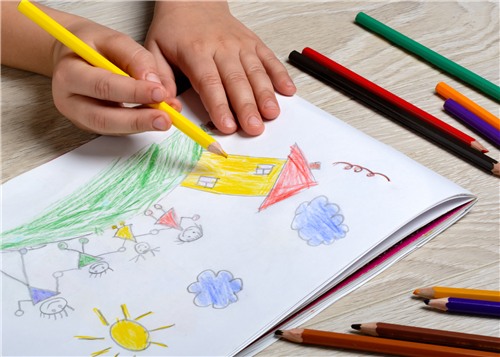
(222, 59)
(92, 98)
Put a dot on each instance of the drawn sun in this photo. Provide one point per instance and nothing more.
(126, 333)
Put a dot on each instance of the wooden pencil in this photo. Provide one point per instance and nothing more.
(448, 92)
(381, 92)
(437, 292)
(479, 159)
(379, 345)
(466, 306)
(433, 57)
(426, 335)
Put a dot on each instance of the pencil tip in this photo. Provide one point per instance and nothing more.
(416, 292)
(224, 154)
(278, 333)
(356, 326)
(426, 301)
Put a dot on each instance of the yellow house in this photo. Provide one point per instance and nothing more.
(236, 175)
(277, 179)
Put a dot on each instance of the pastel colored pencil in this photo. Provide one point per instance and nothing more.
(449, 93)
(429, 55)
(468, 306)
(485, 162)
(381, 92)
(472, 120)
(375, 344)
(437, 292)
(432, 336)
(97, 60)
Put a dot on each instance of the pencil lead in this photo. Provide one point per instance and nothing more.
(356, 326)
(278, 333)
(416, 292)
(426, 301)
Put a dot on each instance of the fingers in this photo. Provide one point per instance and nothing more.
(276, 71)
(204, 76)
(239, 91)
(261, 85)
(165, 72)
(95, 116)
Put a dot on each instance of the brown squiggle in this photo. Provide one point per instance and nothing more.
(358, 168)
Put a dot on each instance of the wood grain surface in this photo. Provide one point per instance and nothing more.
(465, 255)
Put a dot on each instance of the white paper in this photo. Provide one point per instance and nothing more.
(264, 267)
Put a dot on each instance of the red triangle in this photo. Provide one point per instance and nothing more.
(170, 219)
(295, 177)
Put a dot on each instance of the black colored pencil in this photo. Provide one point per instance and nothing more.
(485, 162)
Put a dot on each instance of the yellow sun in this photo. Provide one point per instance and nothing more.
(126, 333)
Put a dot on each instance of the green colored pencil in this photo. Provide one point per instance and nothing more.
(429, 55)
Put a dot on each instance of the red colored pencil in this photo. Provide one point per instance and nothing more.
(381, 92)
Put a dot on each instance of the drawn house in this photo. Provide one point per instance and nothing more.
(276, 179)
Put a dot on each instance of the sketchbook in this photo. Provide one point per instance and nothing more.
(147, 245)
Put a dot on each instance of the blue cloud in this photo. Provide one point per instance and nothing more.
(217, 290)
(319, 222)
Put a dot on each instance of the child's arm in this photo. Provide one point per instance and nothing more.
(223, 60)
(92, 98)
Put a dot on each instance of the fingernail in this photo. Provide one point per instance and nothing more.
(157, 95)
(153, 78)
(290, 84)
(254, 121)
(228, 123)
(270, 105)
(160, 124)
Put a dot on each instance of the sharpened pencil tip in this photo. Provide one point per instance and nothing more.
(278, 333)
(356, 326)
(224, 154)
(426, 301)
(416, 292)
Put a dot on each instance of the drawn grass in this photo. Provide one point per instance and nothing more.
(116, 193)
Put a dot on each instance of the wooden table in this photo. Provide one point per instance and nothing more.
(465, 255)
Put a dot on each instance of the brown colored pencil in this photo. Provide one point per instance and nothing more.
(426, 335)
(379, 345)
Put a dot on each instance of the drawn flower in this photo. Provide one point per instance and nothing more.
(218, 290)
(319, 222)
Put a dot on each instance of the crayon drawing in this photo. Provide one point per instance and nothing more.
(277, 179)
(126, 333)
(122, 190)
(358, 168)
(169, 219)
(319, 222)
(218, 290)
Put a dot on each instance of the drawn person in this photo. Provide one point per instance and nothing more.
(143, 248)
(170, 220)
(51, 305)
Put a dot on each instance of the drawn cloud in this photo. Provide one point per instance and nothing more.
(319, 222)
(218, 290)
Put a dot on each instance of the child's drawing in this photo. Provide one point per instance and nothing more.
(126, 333)
(218, 290)
(358, 168)
(319, 222)
(142, 248)
(51, 305)
(121, 190)
(277, 179)
(169, 219)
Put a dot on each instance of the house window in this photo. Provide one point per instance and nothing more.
(264, 169)
(207, 182)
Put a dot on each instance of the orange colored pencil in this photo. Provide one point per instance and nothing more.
(449, 93)
(379, 345)
(438, 292)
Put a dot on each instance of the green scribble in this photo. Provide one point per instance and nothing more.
(116, 193)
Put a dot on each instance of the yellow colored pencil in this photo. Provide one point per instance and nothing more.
(438, 292)
(97, 60)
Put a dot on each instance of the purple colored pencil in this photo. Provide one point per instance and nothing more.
(468, 306)
(473, 120)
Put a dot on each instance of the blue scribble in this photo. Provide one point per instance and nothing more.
(217, 290)
(319, 222)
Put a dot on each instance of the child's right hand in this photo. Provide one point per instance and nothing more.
(92, 98)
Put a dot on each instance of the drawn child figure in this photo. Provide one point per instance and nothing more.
(169, 219)
(143, 248)
(51, 305)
